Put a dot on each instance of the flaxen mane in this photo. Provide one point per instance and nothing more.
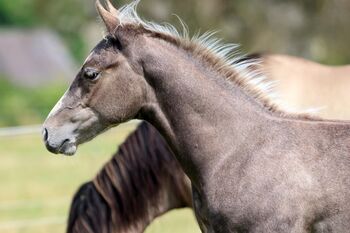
(129, 186)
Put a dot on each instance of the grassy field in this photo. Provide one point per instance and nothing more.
(36, 186)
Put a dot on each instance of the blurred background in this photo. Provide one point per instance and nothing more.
(42, 44)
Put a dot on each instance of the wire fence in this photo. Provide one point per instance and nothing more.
(32, 204)
(20, 130)
(26, 223)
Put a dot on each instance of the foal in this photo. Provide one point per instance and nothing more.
(276, 67)
(142, 181)
(253, 167)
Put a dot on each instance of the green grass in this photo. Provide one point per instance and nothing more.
(37, 186)
(21, 106)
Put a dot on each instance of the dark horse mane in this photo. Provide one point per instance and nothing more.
(128, 190)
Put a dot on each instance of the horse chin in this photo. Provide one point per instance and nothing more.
(68, 149)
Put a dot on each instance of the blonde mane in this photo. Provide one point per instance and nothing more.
(223, 58)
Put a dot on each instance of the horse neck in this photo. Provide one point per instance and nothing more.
(200, 114)
(142, 182)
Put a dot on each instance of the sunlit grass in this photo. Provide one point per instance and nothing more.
(182, 221)
(37, 187)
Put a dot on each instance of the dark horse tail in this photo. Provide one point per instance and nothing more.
(142, 181)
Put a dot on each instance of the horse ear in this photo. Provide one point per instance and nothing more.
(112, 9)
(110, 19)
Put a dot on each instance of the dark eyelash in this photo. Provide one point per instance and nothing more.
(91, 74)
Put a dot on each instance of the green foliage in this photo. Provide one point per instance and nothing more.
(279, 26)
(26, 105)
(67, 17)
(17, 12)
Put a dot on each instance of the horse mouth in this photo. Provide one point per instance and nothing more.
(67, 148)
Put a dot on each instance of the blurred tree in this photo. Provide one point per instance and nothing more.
(315, 29)
(67, 17)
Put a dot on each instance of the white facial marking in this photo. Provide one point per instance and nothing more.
(88, 58)
(58, 105)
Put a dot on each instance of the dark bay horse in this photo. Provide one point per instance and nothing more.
(142, 181)
(253, 166)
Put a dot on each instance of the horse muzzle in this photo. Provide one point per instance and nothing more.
(58, 145)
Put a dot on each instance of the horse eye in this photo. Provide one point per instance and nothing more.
(91, 74)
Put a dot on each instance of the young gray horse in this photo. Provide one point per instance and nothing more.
(142, 181)
(253, 167)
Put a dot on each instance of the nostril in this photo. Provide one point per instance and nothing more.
(45, 134)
